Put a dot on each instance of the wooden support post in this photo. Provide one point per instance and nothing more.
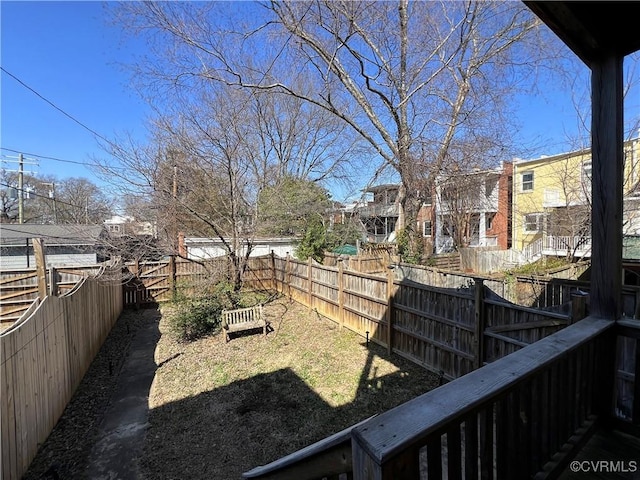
(172, 276)
(578, 308)
(310, 280)
(274, 279)
(41, 267)
(365, 466)
(389, 313)
(53, 282)
(287, 274)
(341, 292)
(635, 408)
(607, 144)
(481, 321)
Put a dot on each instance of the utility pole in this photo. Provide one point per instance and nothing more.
(55, 205)
(52, 196)
(21, 163)
(21, 189)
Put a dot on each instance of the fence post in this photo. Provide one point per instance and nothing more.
(578, 308)
(287, 274)
(274, 280)
(480, 321)
(172, 276)
(341, 292)
(309, 277)
(41, 269)
(389, 314)
(53, 282)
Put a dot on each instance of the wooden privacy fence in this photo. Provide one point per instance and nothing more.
(367, 263)
(19, 288)
(43, 359)
(449, 331)
(153, 282)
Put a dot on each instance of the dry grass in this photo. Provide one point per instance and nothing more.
(217, 410)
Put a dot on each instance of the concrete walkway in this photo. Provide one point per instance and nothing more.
(121, 437)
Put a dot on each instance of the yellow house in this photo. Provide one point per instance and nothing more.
(551, 201)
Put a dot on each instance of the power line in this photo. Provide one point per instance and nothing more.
(56, 107)
(44, 196)
(56, 159)
(76, 162)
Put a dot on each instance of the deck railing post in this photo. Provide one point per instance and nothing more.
(578, 307)
(480, 315)
(364, 466)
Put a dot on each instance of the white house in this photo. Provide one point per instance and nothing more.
(119, 225)
(203, 248)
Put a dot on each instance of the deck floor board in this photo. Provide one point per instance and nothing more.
(620, 452)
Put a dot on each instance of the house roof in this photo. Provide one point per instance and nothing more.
(519, 163)
(69, 235)
(593, 30)
(382, 188)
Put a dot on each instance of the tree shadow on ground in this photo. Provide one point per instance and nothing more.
(255, 421)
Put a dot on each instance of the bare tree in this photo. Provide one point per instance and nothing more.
(467, 189)
(409, 79)
(49, 200)
(211, 158)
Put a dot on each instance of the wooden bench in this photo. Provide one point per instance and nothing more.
(242, 319)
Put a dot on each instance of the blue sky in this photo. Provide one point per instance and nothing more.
(69, 54)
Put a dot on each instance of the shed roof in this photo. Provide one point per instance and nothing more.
(18, 234)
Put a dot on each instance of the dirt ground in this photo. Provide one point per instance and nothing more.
(219, 409)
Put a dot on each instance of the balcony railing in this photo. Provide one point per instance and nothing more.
(561, 244)
(379, 210)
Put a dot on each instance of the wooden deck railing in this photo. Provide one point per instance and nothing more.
(517, 417)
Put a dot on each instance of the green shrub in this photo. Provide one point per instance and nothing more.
(195, 318)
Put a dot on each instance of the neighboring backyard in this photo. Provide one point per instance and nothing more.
(218, 409)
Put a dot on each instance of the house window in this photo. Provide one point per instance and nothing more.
(533, 222)
(527, 181)
(426, 228)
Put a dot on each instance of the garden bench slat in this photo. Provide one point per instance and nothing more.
(242, 319)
